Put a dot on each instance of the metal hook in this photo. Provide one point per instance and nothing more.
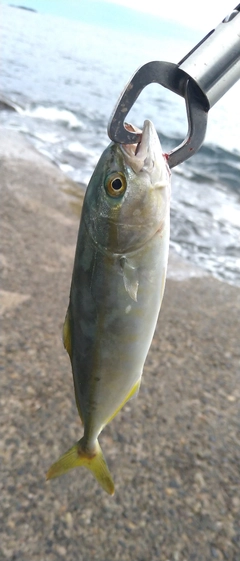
(170, 76)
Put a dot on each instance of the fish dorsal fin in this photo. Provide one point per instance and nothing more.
(67, 334)
(130, 278)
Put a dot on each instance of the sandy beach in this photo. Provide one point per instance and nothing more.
(174, 452)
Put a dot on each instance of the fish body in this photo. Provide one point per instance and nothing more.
(116, 291)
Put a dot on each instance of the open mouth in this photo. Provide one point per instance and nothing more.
(142, 156)
(132, 149)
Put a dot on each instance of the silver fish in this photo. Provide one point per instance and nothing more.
(117, 288)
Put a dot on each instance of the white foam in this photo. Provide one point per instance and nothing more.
(53, 138)
(78, 148)
(66, 168)
(53, 114)
(47, 154)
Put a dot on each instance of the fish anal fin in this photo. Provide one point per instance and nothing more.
(77, 402)
(67, 341)
(130, 278)
(77, 457)
(133, 393)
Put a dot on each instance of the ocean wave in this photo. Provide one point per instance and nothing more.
(7, 104)
(213, 164)
(66, 168)
(78, 148)
(45, 137)
(53, 114)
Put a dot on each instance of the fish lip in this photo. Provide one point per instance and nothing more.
(143, 155)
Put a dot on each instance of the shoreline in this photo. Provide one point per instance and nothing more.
(174, 452)
(204, 240)
(179, 268)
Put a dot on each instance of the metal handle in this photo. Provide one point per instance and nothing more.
(214, 64)
(202, 77)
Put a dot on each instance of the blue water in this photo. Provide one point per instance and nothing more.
(65, 77)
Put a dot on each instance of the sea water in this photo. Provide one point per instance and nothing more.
(65, 78)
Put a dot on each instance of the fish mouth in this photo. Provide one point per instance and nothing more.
(144, 155)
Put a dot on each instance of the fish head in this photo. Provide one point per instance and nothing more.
(127, 200)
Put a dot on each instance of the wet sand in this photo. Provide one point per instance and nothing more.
(174, 452)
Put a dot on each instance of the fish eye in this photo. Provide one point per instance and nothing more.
(116, 184)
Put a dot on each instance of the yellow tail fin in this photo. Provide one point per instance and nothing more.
(75, 457)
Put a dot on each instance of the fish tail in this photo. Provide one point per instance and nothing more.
(76, 457)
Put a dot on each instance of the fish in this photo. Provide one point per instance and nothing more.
(117, 288)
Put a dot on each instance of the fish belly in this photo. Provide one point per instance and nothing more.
(111, 331)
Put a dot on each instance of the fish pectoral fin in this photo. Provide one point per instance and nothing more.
(77, 457)
(130, 278)
(67, 334)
